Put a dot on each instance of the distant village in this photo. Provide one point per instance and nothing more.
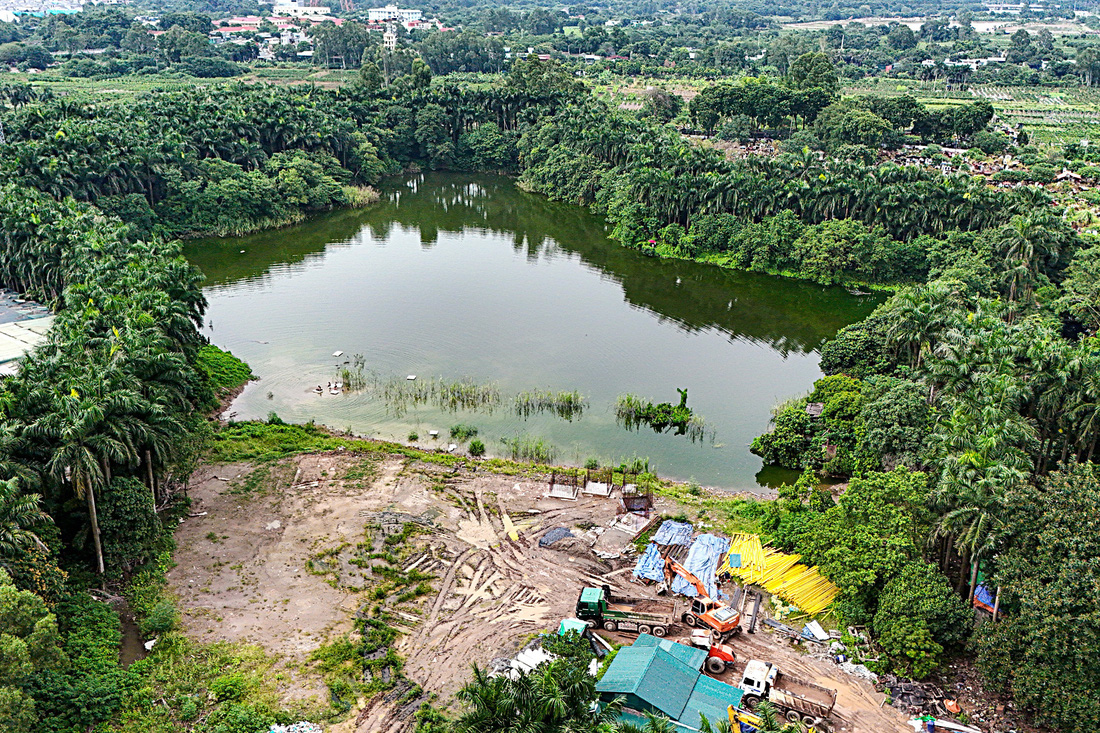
(290, 20)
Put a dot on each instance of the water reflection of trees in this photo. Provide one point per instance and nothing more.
(787, 315)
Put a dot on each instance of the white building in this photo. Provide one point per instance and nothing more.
(392, 12)
(297, 10)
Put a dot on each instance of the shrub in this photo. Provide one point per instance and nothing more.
(918, 616)
(229, 687)
(477, 448)
(131, 530)
(414, 436)
(161, 619)
(911, 648)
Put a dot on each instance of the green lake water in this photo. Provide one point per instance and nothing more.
(468, 277)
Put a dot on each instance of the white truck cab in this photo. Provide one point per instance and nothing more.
(758, 678)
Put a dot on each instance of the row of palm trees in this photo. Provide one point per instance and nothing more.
(674, 180)
(88, 151)
(111, 391)
(1015, 399)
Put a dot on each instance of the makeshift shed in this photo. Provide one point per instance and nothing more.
(693, 657)
(651, 678)
(712, 698)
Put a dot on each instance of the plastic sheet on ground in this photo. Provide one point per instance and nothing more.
(302, 727)
(672, 532)
(553, 535)
(651, 566)
(702, 561)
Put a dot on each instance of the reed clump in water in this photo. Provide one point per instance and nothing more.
(353, 376)
(566, 405)
(462, 432)
(452, 396)
(530, 449)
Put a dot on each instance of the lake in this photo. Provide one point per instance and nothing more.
(467, 278)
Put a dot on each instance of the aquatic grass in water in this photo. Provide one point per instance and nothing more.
(565, 405)
(632, 412)
(401, 394)
(529, 448)
(353, 377)
(462, 432)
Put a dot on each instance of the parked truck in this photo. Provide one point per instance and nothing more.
(797, 700)
(616, 613)
(720, 657)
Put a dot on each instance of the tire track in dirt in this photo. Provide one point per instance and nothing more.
(445, 586)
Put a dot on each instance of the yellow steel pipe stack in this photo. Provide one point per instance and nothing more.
(779, 574)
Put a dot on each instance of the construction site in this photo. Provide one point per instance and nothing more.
(472, 566)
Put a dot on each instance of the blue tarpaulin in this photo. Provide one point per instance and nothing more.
(651, 566)
(673, 533)
(983, 598)
(702, 560)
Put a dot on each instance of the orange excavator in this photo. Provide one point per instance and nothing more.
(722, 620)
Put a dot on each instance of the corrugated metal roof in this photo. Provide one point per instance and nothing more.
(712, 699)
(693, 657)
(18, 338)
(653, 675)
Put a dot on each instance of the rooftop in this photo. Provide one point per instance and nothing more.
(23, 325)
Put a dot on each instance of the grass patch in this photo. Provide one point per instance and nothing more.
(364, 470)
(221, 372)
(258, 441)
(728, 514)
(632, 412)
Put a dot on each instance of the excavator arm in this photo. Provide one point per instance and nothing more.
(671, 567)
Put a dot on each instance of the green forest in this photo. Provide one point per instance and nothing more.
(964, 413)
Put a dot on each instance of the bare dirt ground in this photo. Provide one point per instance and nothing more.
(242, 574)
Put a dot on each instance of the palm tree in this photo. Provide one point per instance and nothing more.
(20, 515)
(81, 450)
(557, 697)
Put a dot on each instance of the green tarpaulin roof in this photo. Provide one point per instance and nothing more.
(651, 672)
(693, 657)
(571, 624)
(653, 675)
(711, 698)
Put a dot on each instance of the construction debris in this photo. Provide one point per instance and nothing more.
(302, 727)
(914, 698)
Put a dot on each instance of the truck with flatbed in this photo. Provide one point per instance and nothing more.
(798, 700)
(600, 607)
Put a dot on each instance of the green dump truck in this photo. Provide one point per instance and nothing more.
(614, 613)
